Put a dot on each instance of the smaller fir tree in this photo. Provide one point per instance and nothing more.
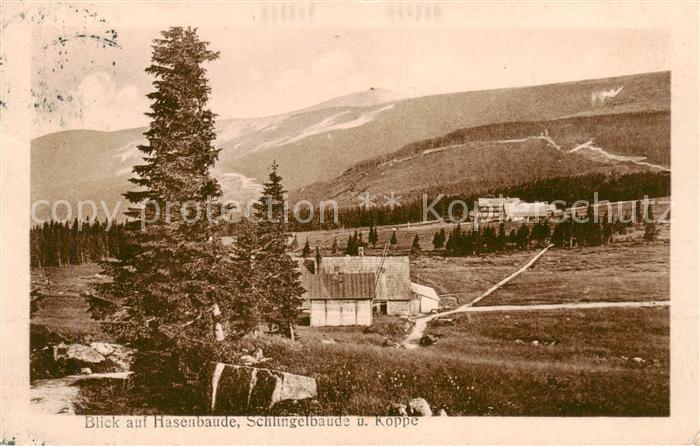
(306, 250)
(415, 247)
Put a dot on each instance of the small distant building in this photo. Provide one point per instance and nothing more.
(426, 297)
(339, 299)
(511, 209)
(489, 209)
(529, 211)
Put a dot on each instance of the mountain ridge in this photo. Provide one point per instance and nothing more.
(318, 145)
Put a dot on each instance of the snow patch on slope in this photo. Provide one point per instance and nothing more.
(130, 151)
(327, 125)
(599, 97)
(129, 155)
(235, 128)
(238, 187)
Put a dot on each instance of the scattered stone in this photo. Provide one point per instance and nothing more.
(327, 341)
(519, 341)
(535, 343)
(258, 354)
(397, 410)
(240, 387)
(85, 371)
(624, 358)
(419, 407)
(442, 413)
(638, 360)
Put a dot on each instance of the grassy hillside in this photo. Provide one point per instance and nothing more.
(475, 369)
(64, 309)
(500, 155)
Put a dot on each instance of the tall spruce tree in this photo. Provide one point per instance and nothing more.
(277, 270)
(174, 285)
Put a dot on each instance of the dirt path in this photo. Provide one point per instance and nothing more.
(420, 324)
(57, 396)
(566, 306)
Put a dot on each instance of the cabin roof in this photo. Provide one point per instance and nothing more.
(338, 286)
(393, 280)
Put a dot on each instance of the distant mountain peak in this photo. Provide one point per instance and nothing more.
(371, 96)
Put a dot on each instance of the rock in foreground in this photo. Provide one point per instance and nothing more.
(99, 357)
(419, 407)
(239, 389)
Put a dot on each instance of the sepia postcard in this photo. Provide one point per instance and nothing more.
(349, 223)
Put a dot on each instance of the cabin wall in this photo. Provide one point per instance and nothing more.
(336, 312)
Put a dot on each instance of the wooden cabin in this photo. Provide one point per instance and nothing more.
(339, 299)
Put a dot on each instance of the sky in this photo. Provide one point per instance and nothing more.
(93, 83)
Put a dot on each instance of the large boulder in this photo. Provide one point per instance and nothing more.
(101, 357)
(82, 354)
(243, 389)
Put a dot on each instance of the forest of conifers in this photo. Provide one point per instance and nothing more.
(633, 186)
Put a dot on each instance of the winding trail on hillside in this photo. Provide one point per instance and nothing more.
(421, 323)
(639, 160)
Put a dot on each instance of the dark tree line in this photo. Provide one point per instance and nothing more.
(62, 243)
(566, 234)
(633, 186)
